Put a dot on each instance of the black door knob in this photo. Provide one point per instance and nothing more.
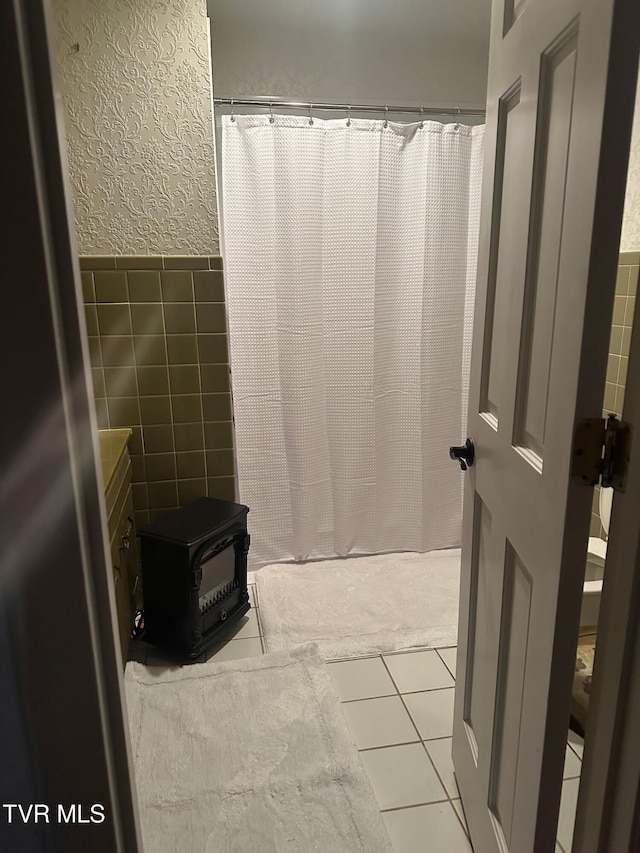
(464, 453)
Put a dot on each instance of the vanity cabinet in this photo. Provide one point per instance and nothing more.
(116, 465)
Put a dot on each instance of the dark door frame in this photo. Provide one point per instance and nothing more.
(63, 738)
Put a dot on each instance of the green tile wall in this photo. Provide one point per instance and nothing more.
(624, 306)
(160, 365)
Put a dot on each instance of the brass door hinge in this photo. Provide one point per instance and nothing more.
(601, 452)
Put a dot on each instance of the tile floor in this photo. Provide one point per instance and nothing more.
(400, 709)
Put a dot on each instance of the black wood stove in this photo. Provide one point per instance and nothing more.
(194, 575)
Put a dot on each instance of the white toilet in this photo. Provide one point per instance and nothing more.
(596, 557)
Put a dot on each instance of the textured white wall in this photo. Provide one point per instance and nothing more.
(630, 239)
(135, 82)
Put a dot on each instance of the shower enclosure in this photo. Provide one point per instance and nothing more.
(350, 248)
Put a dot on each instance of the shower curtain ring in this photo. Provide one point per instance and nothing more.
(271, 112)
(233, 118)
(310, 116)
(421, 116)
(348, 115)
(386, 116)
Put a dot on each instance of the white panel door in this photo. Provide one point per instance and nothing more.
(558, 124)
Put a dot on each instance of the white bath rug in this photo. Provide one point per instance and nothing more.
(361, 605)
(248, 755)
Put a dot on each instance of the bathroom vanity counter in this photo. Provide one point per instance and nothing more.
(116, 475)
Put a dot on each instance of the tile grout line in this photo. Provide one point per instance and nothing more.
(450, 799)
(412, 806)
(257, 598)
(424, 741)
(461, 819)
(446, 665)
(404, 705)
(433, 764)
(401, 695)
(389, 695)
(135, 371)
(444, 787)
(570, 745)
(387, 745)
(104, 378)
(256, 610)
(429, 758)
(260, 631)
(204, 437)
(368, 698)
(173, 431)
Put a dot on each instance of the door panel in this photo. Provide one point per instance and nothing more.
(484, 615)
(512, 10)
(512, 135)
(551, 212)
(514, 635)
(541, 277)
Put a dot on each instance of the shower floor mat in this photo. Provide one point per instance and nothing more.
(361, 605)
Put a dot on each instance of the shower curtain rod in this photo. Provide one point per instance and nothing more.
(369, 108)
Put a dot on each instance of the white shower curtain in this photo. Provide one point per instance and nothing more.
(350, 255)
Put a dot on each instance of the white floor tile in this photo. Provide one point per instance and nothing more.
(415, 671)
(572, 764)
(252, 595)
(237, 649)
(426, 828)
(449, 657)
(246, 627)
(457, 804)
(379, 722)
(576, 743)
(361, 679)
(432, 712)
(440, 752)
(402, 776)
(568, 804)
